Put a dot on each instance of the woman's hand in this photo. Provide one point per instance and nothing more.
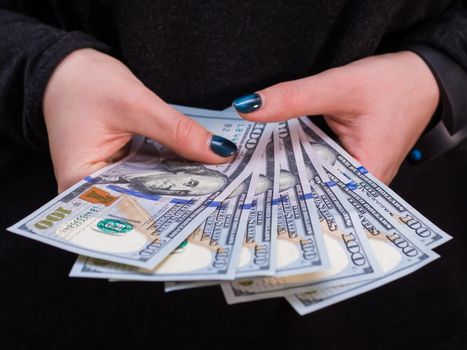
(378, 106)
(93, 105)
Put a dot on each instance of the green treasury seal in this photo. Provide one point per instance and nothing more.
(114, 226)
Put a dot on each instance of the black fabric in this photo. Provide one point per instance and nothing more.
(207, 53)
(204, 54)
(449, 125)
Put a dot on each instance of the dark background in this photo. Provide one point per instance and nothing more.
(41, 307)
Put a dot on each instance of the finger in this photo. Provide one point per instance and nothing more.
(158, 121)
(325, 93)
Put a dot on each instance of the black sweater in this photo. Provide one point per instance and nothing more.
(205, 53)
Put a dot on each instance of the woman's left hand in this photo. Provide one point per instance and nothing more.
(377, 106)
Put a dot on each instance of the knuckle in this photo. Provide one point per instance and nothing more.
(184, 130)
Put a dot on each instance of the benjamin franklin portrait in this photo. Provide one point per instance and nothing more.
(175, 178)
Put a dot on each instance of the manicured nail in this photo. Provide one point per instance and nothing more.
(222, 146)
(248, 103)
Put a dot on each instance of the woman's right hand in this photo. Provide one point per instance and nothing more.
(93, 105)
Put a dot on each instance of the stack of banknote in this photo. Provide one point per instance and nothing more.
(290, 215)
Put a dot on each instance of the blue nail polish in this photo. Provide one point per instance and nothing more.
(222, 147)
(248, 103)
(416, 154)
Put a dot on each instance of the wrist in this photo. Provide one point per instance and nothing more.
(448, 127)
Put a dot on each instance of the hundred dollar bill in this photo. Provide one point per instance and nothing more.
(399, 253)
(258, 252)
(318, 298)
(215, 244)
(351, 256)
(176, 286)
(140, 209)
(218, 236)
(300, 242)
(210, 252)
(337, 160)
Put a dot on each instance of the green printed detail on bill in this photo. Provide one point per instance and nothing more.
(114, 226)
(179, 249)
(183, 244)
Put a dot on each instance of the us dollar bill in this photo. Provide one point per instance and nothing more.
(351, 256)
(300, 241)
(176, 286)
(236, 239)
(337, 160)
(138, 210)
(399, 253)
(318, 298)
(258, 252)
(210, 252)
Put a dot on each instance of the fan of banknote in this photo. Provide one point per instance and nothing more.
(290, 215)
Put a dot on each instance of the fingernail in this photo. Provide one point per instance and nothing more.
(222, 147)
(248, 103)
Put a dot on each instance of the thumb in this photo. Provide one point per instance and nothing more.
(179, 133)
(324, 93)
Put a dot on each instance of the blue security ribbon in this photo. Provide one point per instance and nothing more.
(306, 196)
(362, 169)
(151, 197)
(182, 201)
(90, 179)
